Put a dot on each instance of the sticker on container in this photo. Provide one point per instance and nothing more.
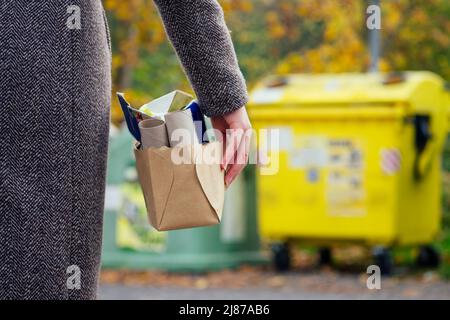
(308, 151)
(312, 175)
(345, 153)
(345, 192)
(391, 161)
(345, 187)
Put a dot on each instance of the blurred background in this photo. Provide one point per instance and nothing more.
(303, 59)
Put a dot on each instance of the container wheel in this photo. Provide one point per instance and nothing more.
(281, 257)
(382, 257)
(428, 257)
(325, 257)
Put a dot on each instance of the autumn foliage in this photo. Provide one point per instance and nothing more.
(282, 36)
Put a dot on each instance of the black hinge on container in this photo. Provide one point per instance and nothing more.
(422, 136)
(447, 86)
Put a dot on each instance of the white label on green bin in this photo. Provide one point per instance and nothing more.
(133, 232)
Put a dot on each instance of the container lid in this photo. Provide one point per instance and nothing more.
(345, 89)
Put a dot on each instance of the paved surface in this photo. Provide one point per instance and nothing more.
(263, 284)
(119, 292)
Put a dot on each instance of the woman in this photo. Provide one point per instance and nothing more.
(54, 122)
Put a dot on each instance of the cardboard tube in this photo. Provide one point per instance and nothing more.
(153, 133)
(180, 128)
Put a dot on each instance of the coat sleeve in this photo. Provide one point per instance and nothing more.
(202, 41)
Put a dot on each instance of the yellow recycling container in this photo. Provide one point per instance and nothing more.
(358, 161)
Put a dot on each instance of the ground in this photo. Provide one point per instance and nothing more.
(264, 283)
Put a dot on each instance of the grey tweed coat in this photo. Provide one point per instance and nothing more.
(55, 87)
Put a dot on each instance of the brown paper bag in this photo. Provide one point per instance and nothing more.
(181, 196)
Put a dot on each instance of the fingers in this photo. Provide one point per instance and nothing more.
(235, 129)
(233, 172)
(232, 141)
(240, 156)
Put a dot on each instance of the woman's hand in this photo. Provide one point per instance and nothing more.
(236, 133)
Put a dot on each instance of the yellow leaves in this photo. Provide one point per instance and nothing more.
(229, 6)
(325, 59)
(399, 60)
(410, 34)
(286, 7)
(291, 64)
(244, 37)
(440, 37)
(331, 32)
(275, 27)
(277, 31)
(293, 36)
(272, 17)
(117, 60)
(419, 16)
(313, 9)
(342, 48)
(391, 20)
(246, 6)
(138, 26)
(384, 65)
(121, 9)
(226, 5)
(129, 9)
